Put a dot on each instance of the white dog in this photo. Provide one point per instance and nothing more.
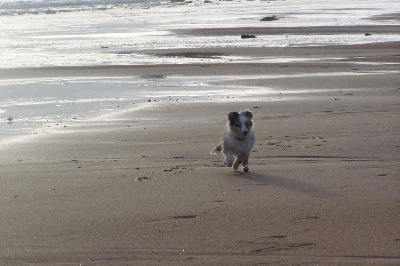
(238, 140)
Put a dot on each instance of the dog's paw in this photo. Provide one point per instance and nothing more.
(246, 169)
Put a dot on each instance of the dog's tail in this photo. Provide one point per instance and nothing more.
(216, 150)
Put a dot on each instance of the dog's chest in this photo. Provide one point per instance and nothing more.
(238, 146)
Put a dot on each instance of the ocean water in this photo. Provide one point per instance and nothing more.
(40, 33)
(36, 33)
(12, 7)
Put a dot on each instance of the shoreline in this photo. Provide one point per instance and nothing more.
(268, 30)
(326, 55)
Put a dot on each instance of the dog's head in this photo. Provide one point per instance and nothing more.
(241, 123)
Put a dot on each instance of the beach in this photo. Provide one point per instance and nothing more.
(137, 185)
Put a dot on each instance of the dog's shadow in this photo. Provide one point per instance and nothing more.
(287, 184)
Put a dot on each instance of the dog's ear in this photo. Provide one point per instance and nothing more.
(232, 116)
(248, 113)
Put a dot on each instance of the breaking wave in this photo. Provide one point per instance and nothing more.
(20, 7)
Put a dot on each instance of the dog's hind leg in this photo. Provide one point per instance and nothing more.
(216, 150)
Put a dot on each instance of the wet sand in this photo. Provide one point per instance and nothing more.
(139, 187)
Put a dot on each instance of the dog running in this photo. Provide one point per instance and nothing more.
(238, 140)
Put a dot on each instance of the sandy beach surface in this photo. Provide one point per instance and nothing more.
(139, 186)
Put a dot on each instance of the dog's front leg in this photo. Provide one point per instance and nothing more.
(237, 162)
(228, 158)
(245, 164)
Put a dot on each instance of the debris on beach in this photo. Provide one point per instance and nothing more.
(248, 36)
(140, 179)
(269, 18)
(10, 119)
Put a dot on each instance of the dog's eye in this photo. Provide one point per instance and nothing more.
(248, 124)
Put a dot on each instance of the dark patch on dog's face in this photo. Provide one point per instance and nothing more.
(247, 125)
(233, 117)
(247, 113)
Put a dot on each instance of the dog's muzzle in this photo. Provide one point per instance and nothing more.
(242, 137)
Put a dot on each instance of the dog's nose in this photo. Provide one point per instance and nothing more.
(245, 132)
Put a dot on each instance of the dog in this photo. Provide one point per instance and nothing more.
(238, 140)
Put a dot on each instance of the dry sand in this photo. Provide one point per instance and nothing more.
(140, 187)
